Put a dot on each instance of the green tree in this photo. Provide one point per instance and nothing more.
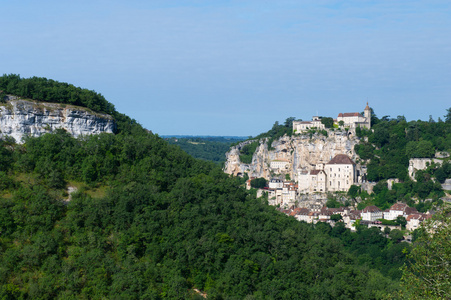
(353, 191)
(258, 183)
(328, 122)
(427, 274)
(396, 235)
(336, 217)
(448, 115)
(401, 221)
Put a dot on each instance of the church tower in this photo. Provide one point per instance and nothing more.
(367, 113)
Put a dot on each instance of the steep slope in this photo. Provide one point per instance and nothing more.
(302, 152)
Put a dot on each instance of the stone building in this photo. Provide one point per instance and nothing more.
(351, 120)
(299, 126)
(341, 173)
(355, 119)
(336, 175)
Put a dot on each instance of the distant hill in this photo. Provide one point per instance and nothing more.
(210, 148)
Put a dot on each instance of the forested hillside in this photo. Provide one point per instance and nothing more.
(164, 224)
(149, 221)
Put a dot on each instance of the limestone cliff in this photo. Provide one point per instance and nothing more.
(20, 117)
(297, 153)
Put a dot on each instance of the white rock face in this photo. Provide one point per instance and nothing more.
(20, 118)
(302, 152)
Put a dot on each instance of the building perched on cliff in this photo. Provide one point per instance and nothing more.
(355, 119)
(315, 123)
(336, 175)
(350, 120)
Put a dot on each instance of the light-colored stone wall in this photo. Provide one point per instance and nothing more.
(416, 164)
(304, 153)
(340, 177)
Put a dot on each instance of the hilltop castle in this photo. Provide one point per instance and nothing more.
(350, 120)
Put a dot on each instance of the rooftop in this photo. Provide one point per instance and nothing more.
(341, 159)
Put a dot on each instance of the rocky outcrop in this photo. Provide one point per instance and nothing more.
(19, 118)
(298, 153)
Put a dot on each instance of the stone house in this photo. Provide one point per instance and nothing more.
(299, 126)
(414, 220)
(336, 175)
(341, 173)
(371, 213)
(399, 209)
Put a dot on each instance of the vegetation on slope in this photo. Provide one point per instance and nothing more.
(167, 224)
(48, 90)
(391, 143)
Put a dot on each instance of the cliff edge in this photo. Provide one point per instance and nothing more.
(20, 117)
(288, 156)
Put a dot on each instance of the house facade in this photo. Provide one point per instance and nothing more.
(355, 119)
(336, 175)
(371, 213)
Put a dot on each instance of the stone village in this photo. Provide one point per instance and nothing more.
(319, 165)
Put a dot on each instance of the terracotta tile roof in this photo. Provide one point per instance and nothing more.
(371, 209)
(341, 159)
(304, 211)
(420, 217)
(411, 210)
(398, 206)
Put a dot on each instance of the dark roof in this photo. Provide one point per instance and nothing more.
(354, 114)
(371, 208)
(398, 206)
(341, 159)
(315, 172)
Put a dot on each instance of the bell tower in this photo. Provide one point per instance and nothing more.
(367, 113)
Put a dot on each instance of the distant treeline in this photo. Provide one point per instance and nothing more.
(48, 90)
(211, 148)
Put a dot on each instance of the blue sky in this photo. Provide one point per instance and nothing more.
(235, 67)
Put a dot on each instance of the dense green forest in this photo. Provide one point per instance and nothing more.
(208, 148)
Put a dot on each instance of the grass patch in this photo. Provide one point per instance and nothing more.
(94, 192)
